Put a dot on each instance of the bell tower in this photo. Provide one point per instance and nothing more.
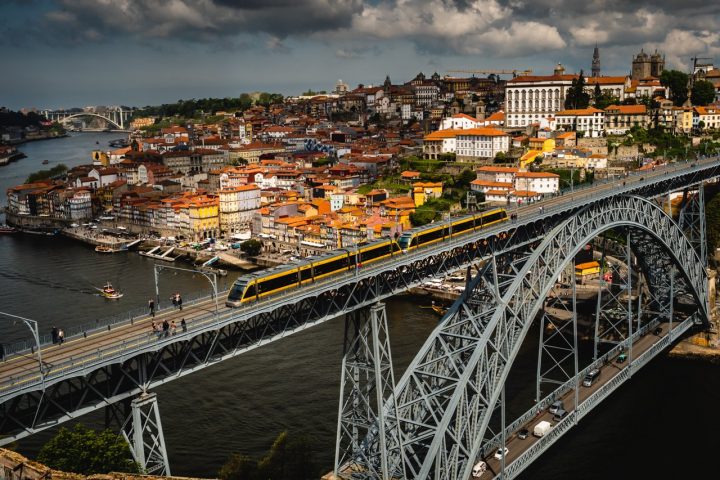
(596, 62)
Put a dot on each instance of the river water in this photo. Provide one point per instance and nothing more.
(662, 424)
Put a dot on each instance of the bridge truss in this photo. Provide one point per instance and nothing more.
(102, 379)
(449, 406)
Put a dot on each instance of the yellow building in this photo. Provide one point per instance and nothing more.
(203, 211)
(529, 158)
(542, 144)
(101, 157)
(423, 191)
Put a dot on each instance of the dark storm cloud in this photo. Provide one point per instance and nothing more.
(196, 20)
(496, 28)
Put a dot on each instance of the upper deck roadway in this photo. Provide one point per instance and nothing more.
(80, 357)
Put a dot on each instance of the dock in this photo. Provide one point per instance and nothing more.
(160, 256)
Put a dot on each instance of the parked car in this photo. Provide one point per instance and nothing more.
(556, 405)
(523, 433)
(502, 451)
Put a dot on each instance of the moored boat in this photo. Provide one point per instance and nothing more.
(7, 229)
(103, 249)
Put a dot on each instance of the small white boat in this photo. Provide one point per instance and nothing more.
(108, 291)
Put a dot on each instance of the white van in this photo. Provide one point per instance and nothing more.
(479, 469)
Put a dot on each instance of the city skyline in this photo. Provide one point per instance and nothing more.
(69, 53)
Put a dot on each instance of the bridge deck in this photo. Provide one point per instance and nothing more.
(516, 446)
(129, 338)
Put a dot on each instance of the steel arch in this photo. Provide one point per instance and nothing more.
(88, 114)
(447, 396)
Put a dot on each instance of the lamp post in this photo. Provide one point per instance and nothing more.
(33, 326)
(213, 283)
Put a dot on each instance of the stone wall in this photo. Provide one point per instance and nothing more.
(595, 145)
(14, 466)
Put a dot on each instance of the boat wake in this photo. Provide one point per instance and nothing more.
(43, 282)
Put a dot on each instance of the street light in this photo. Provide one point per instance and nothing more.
(213, 283)
(33, 326)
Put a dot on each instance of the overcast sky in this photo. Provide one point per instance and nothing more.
(63, 53)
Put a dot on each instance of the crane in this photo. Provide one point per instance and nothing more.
(513, 72)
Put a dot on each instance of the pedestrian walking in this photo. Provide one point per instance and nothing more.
(2, 352)
(54, 334)
(173, 327)
(151, 307)
(165, 327)
(183, 324)
(179, 301)
(173, 298)
(61, 336)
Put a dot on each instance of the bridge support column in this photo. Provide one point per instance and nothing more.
(145, 435)
(692, 221)
(367, 381)
(613, 313)
(557, 350)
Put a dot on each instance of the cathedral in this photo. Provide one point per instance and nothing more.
(644, 65)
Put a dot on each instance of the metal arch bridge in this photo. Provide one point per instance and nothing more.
(115, 117)
(405, 434)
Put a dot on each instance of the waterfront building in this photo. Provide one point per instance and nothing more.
(538, 182)
(237, 205)
(203, 213)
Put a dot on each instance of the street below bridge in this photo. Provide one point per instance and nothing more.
(77, 352)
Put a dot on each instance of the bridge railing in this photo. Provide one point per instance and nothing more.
(83, 330)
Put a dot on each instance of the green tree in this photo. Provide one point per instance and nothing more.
(85, 451)
(239, 467)
(251, 247)
(577, 97)
(677, 82)
(290, 458)
(467, 176)
(422, 216)
(56, 171)
(703, 93)
(605, 100)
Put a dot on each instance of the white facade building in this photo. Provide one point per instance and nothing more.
(590, 121)
(460, 121)
(481, 142)
(530, 98)
(538, 182)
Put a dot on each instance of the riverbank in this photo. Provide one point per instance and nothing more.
(22, 141)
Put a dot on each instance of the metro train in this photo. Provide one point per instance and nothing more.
(254, 286)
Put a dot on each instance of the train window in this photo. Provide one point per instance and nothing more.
(250, 292)
(305, 273)
(237, 291)
(425, 237)
(395, 247)
(329, 267)
(289, 278)
(462, 226)
(494, 217)
(375, 252)
(404, 240)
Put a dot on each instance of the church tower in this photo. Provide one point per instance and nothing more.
(596, 62)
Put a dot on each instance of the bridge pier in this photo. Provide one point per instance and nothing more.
(144, 434)
(367, 382)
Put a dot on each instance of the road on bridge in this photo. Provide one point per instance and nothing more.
(75, 352)
(517, 446)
